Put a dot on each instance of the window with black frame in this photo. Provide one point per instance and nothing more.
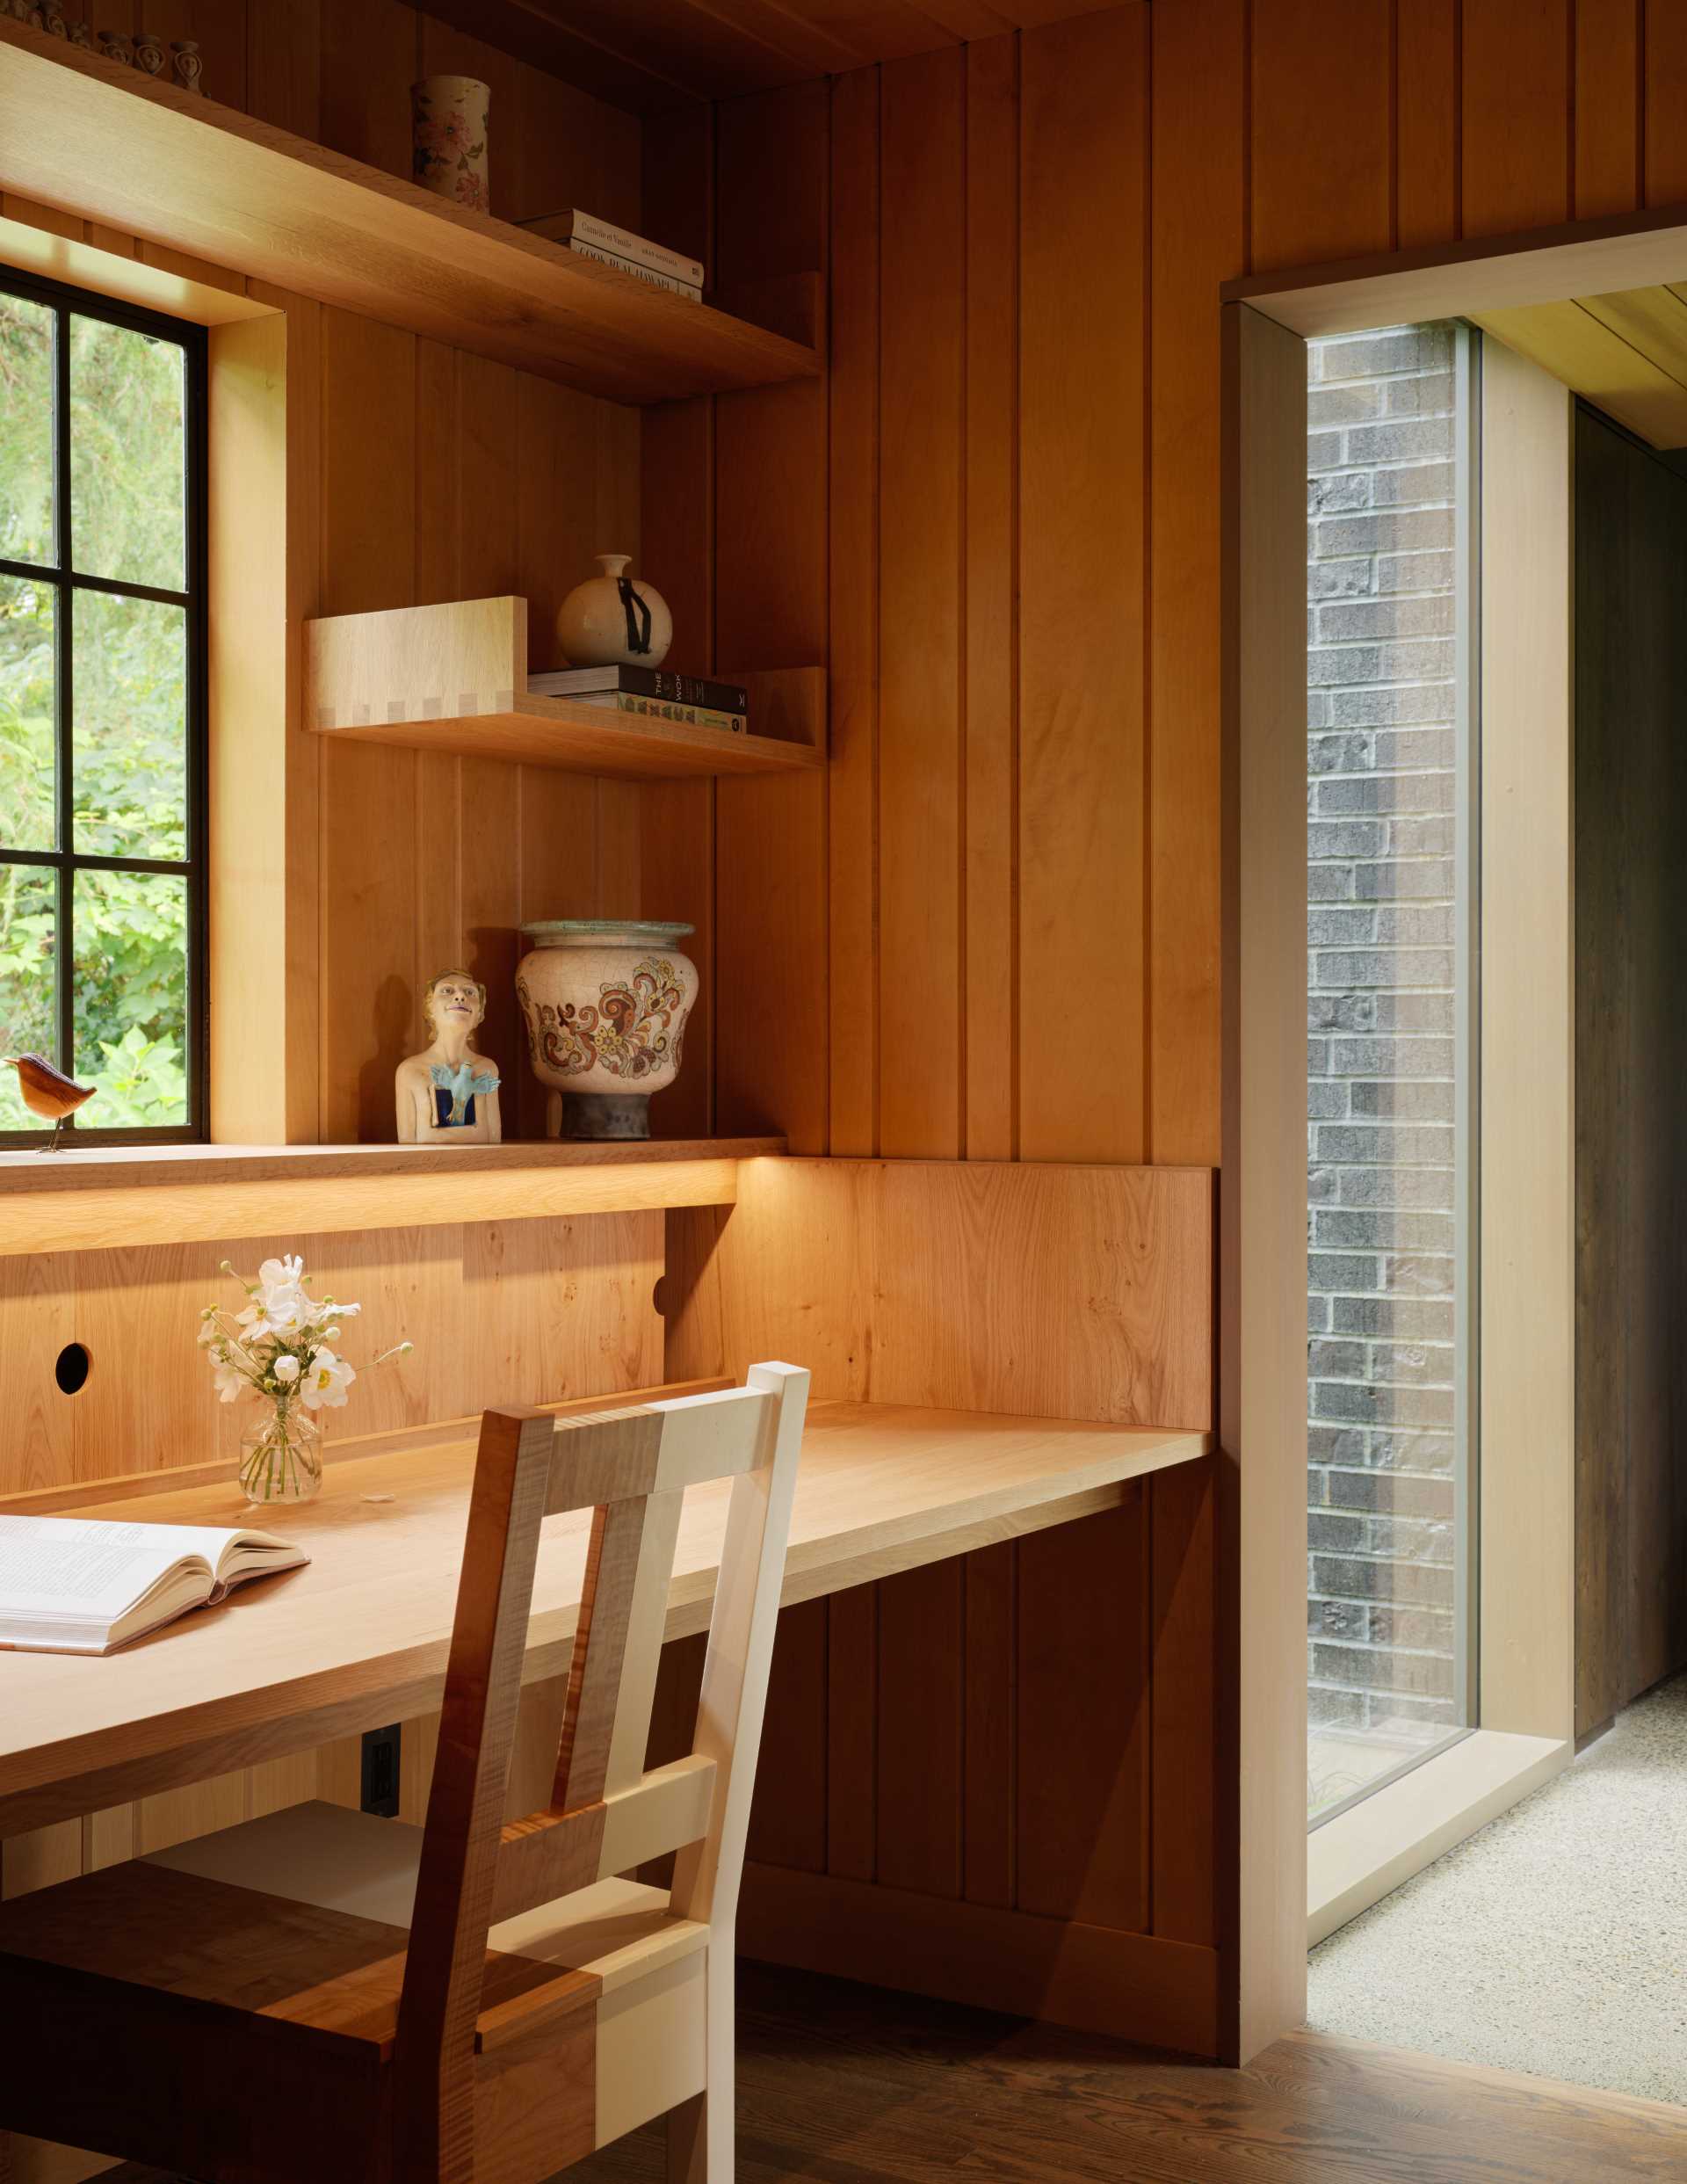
(102, 712)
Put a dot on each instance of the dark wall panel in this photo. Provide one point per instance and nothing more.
(1630, 805)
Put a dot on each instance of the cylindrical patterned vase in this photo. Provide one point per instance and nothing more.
(606, 1005)
(448, 120)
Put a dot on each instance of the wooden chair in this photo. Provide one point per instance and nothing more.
(320, 1995)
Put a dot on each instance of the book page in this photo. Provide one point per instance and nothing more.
(63, 1567)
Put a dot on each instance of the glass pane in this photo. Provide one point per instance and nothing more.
(26, 444)
(129, 729)
(28, 915)
(1392, 789)
(127, 460)
(131, 997)
(28, 768)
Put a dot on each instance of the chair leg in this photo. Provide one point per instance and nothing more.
(701, 2144)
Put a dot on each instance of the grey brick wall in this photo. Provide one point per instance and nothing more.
(1379, 1064)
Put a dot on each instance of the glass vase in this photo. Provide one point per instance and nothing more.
(281, 1458)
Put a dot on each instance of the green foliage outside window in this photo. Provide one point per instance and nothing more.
(129, 716)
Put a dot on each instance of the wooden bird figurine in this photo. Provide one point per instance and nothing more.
(47, 1092)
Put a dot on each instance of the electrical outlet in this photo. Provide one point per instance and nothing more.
(381, 1750)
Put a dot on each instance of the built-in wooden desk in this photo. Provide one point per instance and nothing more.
(359, 1637)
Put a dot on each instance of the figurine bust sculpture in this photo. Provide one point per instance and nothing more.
(448, 1094)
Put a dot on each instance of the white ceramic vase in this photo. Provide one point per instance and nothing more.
(614, 621)
(449, 115)
(606, 1005)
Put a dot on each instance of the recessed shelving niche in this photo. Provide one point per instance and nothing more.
(454, 679)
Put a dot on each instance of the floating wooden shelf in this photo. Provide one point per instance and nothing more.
(83, 133)
(112, 1196)
(454, 679)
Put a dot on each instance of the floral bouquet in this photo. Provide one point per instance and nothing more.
(281, 1347)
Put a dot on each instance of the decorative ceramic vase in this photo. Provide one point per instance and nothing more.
(449, 116)
(281, 1456)
(149, 54)
(190, 64)
(605, 1003)
(614, 621)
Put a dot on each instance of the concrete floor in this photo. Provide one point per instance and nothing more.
(1556, 1941)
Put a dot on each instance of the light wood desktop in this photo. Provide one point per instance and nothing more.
(358, 1638)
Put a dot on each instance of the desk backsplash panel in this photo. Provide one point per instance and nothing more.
(531, 1311)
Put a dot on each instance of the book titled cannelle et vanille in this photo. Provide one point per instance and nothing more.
(588, 236)
(70, 1584)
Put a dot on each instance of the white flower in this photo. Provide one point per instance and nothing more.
(279, 1304)
(230, 1382)
(326, 1381)
(286, 1369)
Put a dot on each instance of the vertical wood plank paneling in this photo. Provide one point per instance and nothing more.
(552, 816)
(990, 648)
(1082, 1775)
(1426, 123)
(1607, 107)
(788, 1827)
(991, 1721)
(772, 163)
(575, 150)
(922, 335)
(38, 1318)
(1320, 130)
(1199, 102)
(283, 59)
(487, 451)
(370, 49)
(1184, 1779)
(368, 795)
(920, 1786)
(676, 878)
(1664, 159)
(852, 899)
(677, 874)
(851, 1759)
(438, 774)
(1517, 136)
(1081, 846)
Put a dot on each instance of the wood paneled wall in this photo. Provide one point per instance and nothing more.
(526, 1311)
(1631, 953)
(1002, 516)
(420, 474)
(990, 1778)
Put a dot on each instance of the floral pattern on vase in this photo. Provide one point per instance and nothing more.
(449, 118)
(626, 1032)
(605, 1005)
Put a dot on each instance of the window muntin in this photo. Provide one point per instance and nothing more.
(102, 708)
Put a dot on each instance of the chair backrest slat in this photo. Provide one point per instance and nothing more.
(606, 1813)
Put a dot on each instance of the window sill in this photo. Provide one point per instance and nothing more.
(99, 1198)
(1357, 1858)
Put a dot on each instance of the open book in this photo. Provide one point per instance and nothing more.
(69, 1586)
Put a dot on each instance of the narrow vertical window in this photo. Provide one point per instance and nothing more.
(1393, 985)
(102, 709)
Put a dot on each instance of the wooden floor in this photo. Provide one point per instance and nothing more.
(847, 2085)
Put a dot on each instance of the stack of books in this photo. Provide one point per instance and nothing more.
(650, 691)
(628, 253)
